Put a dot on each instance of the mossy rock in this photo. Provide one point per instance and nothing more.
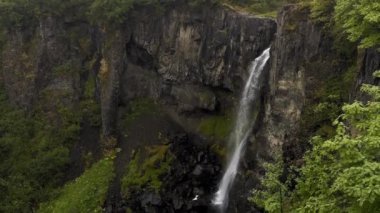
(217, 127)
(138, 108)
(319, 113)
(87, 193)
(146, 169)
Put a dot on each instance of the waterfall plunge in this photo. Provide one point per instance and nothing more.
(242, 130)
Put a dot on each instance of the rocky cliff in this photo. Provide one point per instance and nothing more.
(190, 61)
(304, 60)
(166, 83)
(369, 61)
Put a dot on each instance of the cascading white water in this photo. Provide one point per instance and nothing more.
(242, 130)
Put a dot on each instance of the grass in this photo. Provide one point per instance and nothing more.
(146, 171)
(85, 194)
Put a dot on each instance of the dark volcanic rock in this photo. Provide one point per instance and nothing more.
(189, 184)
(34, 62)
(184, 54)
(370, 62)
(303, 58)
(209, 45)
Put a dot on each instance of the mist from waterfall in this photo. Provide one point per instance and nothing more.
(243, 126)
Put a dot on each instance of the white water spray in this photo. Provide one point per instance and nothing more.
(242, 130)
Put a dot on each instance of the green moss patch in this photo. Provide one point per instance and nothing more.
(89, 107)
(138, 108)
(219, 150)
(146, 169)
(85, 194)
(216, 126)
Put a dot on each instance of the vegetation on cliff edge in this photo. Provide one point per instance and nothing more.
(341, 174)
(341, 171)
(87, 193)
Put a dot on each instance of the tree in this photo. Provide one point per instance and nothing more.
(114, 11)
(344, 172)
(341, 174)
(272, 195)
(360, 20)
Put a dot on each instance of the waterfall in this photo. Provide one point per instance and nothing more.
(242, 129)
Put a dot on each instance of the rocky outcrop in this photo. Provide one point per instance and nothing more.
(188, 185)
(303, 63)
(303, 59)
(206, 46)
(190, 58)
(369, 62)
(112, 66)
(42, 66)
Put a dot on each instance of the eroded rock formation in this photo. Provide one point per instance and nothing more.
(192, 61)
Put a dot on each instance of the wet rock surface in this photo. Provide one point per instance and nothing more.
(189, 184)
(369, 62)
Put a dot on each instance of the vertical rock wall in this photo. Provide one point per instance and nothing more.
(369, 62)
(303, 59)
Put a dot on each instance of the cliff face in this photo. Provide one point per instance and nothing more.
(209, 45)
(183, 56)
(46, 67)
(192, 61)
(153, 56)
(188, 56)
(369, 61)
(305, 60)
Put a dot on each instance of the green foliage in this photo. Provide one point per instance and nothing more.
(344, 172)
(22, 13)
(89, 106)
(273, 193)
(113, 12)
(16, 13)
(33, 156)
(197, 3)
(341, 174)
(330, 96)
(360, 20)
(146, 171)
(219, 150)
(25, 13)
(265, 8)
(322, 11)
(216, 126)
(138, 108)
(107, 11)
(34, 149)
(87, 193)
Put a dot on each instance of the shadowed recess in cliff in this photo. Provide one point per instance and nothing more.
(242, 130)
